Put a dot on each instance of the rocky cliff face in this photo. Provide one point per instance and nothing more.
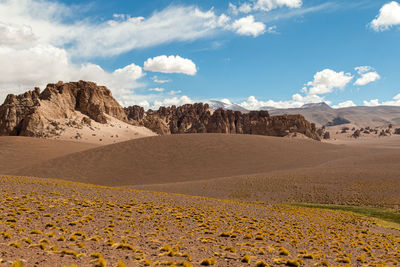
(34, 113)
(198, 118)
(46, 114)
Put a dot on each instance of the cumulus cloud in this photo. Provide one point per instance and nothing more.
(12, 34)
(345, 104)
(248, 26)
(367, 75)
(389, 16)
(44, 64)
(252, 103)
(177, 101)
(326, 81)
(170, 64)
(245, 8)
(375, 102)
(371, 103)
(307, 99)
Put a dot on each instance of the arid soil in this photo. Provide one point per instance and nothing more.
(188, 157)
(17, 152)
(56, 223)
(245, 167)
(114, 131)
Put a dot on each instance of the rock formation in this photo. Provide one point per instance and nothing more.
(35, 114)
(61, 105)
(198, 118)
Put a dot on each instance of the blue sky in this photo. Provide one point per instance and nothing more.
(279, 53)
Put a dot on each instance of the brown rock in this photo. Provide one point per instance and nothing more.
(31, 113)
(327, 135)
(198, 118)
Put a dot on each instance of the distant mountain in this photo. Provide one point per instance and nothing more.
(321, 105)
(215, 104)
(322, 114)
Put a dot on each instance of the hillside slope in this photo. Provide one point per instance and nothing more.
(18, 152)
(189, 157)
(321, 114)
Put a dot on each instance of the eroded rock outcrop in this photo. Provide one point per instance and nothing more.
(34, 113)
(199, 118)
(61, 105)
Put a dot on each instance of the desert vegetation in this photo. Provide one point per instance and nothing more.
(45, 222)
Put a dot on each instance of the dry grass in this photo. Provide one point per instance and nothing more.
(103, 226)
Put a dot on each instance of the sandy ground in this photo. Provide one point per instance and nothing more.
(56, 223)
(253, 168)
(17, 152)
(113, 131)
(372, 139)
(46, 222)
(188, 157)
(369, 141)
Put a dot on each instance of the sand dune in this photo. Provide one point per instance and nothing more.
(177, 158)
(247, 167)
(18, 152)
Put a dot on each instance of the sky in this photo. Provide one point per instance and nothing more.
(255, 53)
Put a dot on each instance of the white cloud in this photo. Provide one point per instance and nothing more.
(245, 8)
(175, 23)
(248, 26)
(44, 64)
(177, 101)
(307, 99)
(363, 69)
(375, 102)
(49, 22)
(173, 92)
(327, 80)
(12, 34)
(157, 89)
(272, 29)
(297, 101)
(367, 78)
(233, 9)
(389, 16)
(263, 5)
(344, 104)
(226, 101)
(367, 75)
(158, 80)
(170, 64)
(267, 5)
(371, 103)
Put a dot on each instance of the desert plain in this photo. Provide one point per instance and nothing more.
(200, 199)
